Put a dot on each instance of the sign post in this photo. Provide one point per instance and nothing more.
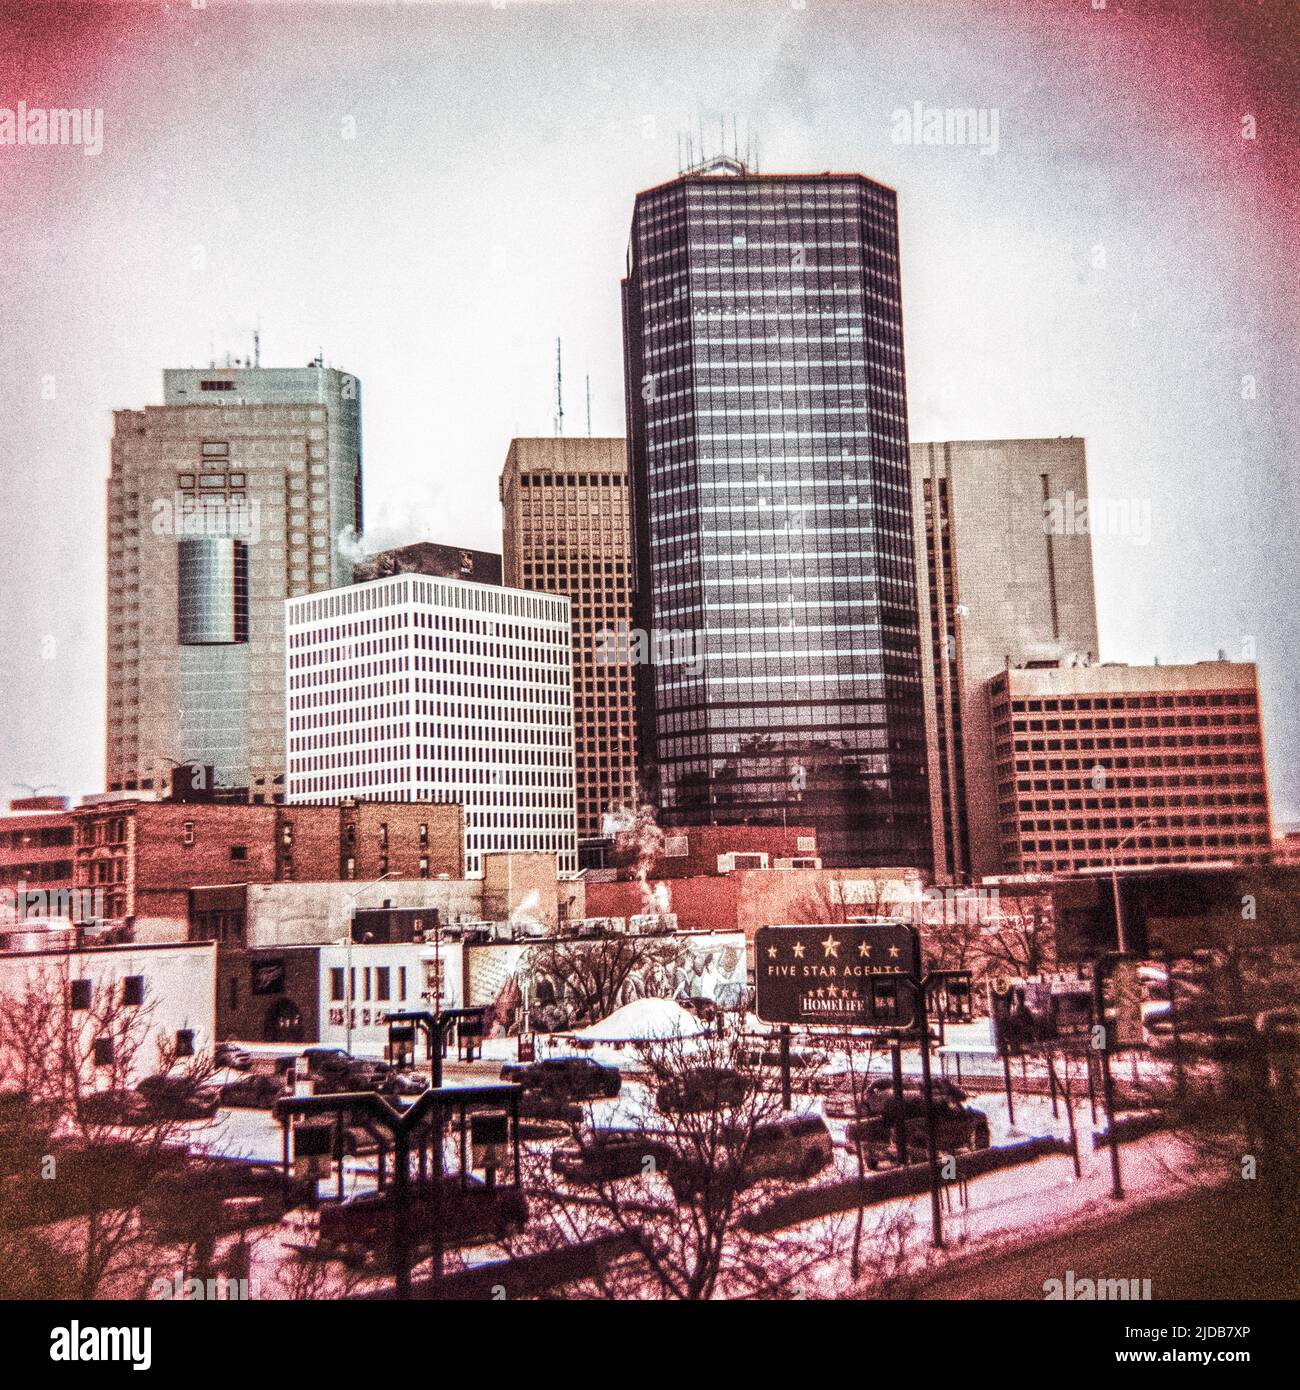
(862, 975)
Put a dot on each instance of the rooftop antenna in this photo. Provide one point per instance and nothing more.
(257, 346)
(559, 391)
(588, 405)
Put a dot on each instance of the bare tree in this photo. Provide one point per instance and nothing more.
(691, 1218)
(86, 1172)
(1017, 938)
(1231, 1093)
(589, 979)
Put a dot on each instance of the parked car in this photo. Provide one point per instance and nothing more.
(956, 1126)
(471, 1214)
(252, 1092)
(363, 1075)
(327, 1061)
(878, 1098)
(179, 1097)
(606, 1155)
(573, 1078)
(702, 1088)
(405, 1082)
(794, 1147)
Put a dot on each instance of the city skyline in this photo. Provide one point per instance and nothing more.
(1159, 402)
(761, 766)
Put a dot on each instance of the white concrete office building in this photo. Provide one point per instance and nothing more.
(416, 688)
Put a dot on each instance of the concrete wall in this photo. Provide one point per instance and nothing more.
(283, 914)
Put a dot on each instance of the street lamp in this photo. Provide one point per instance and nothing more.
(1120, 942)
(347, 1018)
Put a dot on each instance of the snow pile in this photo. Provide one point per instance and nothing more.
(644, 1020)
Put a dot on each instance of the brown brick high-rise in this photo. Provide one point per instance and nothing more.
(566, 531)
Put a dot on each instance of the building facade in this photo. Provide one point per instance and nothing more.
(566, 531)
(243, 488)
(133, 863)
(772, 510)
(441, 690)
(1136, 765)
(1000, 584)
(118, 1009)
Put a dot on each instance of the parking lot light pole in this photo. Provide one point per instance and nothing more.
(347, 991)
(1121, 942)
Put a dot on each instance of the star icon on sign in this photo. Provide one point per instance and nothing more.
(864, 949)
(831, 946)
(893, 952)
(771, 953)
(798, 949)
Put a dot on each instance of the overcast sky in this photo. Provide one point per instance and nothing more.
(432, 194)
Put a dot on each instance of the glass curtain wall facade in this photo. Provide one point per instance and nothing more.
(775, 572)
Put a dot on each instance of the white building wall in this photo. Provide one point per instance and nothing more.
(179, 991)
(413, 970)
(418, 688)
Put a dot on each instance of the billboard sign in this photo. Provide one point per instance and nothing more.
(1028, 1013)
(858, 976)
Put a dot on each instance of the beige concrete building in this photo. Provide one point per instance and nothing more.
(1145, 764)
(242, 489)
(567, 531)
(1004, 578)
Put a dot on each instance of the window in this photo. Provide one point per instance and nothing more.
(381, 982)
(336, 984)
(133, 990)
(234, 992)
(79, 992)
(185, 1042)
(103, 1052)
(238, 853)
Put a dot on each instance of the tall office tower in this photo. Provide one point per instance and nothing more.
(242, 488)
(423, 689)
(772, 509)
(1131, 765)
(565, 512)
(1005, 579)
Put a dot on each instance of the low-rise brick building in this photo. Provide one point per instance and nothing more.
(135, 861)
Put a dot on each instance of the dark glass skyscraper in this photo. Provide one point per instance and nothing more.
(772, 513)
